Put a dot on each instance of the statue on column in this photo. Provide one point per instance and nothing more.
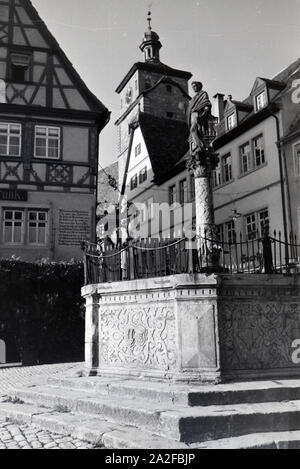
(200, 119)
(202, 129)
(202, 161)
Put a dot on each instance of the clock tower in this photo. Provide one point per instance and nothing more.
(150, 87)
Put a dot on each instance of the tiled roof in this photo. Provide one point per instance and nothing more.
(166, 141)
(154, 67)
(275, 83)
(279, 81)
(287, 72)
(294, 128)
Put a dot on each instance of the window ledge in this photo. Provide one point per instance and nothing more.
(45, 158)
(20, 82)
(11, 157)
(224, 184)
(253, 170)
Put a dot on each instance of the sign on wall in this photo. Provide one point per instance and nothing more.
(74, 227)
(14, 195)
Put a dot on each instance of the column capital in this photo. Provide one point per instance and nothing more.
(202, 163)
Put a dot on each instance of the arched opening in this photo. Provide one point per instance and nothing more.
(2, 352)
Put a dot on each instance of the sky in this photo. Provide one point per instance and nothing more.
(225, 44)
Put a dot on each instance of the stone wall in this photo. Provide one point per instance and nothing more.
(194, 327)
(164, 328)
(259, 320)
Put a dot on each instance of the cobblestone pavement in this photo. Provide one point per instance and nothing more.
(11, 378)
(17, 436)
(14, 436)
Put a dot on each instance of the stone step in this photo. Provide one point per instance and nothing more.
(180, 423)
(92, 429)
(275, 440)
(99, 432)
(191, 395)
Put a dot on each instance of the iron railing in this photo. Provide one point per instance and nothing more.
(160, 258)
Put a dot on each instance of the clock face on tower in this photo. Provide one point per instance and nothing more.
(128, 96)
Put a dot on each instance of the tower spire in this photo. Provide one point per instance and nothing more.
(151, 44)
(149, 19)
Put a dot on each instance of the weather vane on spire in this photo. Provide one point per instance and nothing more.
(149, 19)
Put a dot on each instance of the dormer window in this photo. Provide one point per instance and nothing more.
(261, 100)
(231, 121)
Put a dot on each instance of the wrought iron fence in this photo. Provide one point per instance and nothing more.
(160, 258)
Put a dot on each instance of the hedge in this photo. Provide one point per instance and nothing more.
(41, 310)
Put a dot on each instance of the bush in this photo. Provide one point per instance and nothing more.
(41, 305)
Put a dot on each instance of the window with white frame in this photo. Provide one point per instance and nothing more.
(259, 151)
(297, 158)
(37, 227)
(256, 223)
(226, 162)
(10, 139)
(263, 221)
(13, 226)
(172, 195)
(261, 100)
(230, 232)
(47, 142)
(134, 182)
(231, 121)
(138, 150)
(220, 233)
(183, 191)
(226, 232)
(251, 226)
(143, 175)
(246, 158)
(217, 177)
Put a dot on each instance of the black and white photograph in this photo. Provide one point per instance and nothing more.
(149, 227)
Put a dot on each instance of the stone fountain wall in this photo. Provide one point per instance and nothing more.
(194, 327)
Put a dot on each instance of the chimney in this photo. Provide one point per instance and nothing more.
(219, 106)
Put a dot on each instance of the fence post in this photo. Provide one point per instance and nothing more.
(267, 251)
(83, 248)
(131, 258)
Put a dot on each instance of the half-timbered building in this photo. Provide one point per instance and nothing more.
(49, 129)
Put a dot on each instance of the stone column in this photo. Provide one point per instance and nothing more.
(92, 333)
(202, 165)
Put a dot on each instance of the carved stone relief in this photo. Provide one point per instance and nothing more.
(138, 336)
(258, 335)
